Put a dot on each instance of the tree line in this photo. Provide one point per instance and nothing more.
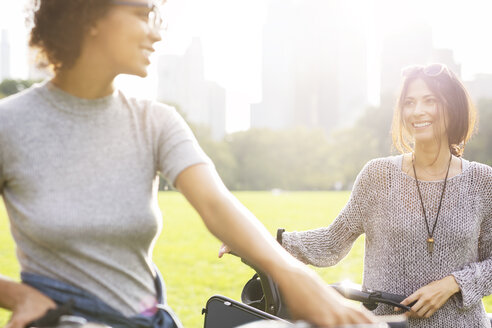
(308, 159)
(11, 86)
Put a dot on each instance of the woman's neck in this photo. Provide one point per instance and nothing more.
(433, 159)
(84, 83)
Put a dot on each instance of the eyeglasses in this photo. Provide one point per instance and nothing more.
(431, 70)
(155, 19)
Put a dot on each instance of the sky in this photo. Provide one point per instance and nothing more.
(463, 26)
(231, 34)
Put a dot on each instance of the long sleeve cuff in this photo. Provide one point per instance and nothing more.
(475, 281)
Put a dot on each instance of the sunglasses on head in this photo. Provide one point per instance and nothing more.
(431, 70)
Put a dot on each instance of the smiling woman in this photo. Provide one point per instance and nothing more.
(120, 43)
(79, 169)
(433, 103)
(426, 214)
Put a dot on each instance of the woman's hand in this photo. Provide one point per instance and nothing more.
(31, 306)
(320, 304)
(310, 288)
(431, 297)
(224, 249)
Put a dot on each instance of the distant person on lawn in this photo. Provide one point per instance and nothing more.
(79, 165)
(426, 214)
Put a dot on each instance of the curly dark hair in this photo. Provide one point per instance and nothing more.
(59, 27)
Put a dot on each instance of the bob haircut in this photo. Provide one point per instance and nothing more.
(59, 27)
(452, 98)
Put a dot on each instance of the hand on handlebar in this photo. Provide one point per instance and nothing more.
(431, 297)
(320, 304)
(33, 305)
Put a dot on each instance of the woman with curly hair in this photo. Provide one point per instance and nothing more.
(79, 165)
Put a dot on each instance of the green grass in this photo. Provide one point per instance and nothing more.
(187, 254)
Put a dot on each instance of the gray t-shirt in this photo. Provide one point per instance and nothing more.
(79, 181)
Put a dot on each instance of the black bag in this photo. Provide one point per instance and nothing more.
(223, 312)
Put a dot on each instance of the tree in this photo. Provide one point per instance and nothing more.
(219, 152)
(304, 159)
(480, 146)
(9, 86)
(294, 159)
(353, 146)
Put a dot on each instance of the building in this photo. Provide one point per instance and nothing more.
(4, 56)
(480, 87)
(412, 45)
(182, 84)
(446, 56)
(276, 109)
(314, 68)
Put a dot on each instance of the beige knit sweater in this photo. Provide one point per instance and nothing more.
(384, 205)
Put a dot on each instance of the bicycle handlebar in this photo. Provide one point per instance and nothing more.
(371, 298)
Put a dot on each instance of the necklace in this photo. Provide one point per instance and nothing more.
(430, 233)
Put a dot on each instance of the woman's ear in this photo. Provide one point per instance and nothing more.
(93, 31)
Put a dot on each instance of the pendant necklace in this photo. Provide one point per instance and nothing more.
(430, 233)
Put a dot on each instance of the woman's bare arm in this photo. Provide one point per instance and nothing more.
(308, 297)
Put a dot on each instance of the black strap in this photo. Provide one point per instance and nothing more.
(280, 231)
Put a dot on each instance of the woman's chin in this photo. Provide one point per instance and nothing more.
(144, 73)
(426, 139)
(137, 72)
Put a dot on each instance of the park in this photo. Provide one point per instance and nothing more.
(188, 255)
(141, 135)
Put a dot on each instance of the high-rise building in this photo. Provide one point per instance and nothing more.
(182, 84)
(352, 75)
(276, 109)
(480, 87)
(216, 109)
(412, 45)
(4, 56)
(446, 56)
(409, 46)
(314, 68)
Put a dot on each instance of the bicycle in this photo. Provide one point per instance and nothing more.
(261, 306)
(261, 301)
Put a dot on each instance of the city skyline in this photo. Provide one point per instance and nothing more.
(4, 55)
(316, 82)
(182, 83)
(231, 33)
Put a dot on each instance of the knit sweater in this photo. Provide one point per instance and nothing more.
(385, 205)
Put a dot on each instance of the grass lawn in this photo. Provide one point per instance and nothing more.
(187, 254)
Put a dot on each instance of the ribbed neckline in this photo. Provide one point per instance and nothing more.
(69, 103)
(398, 161)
